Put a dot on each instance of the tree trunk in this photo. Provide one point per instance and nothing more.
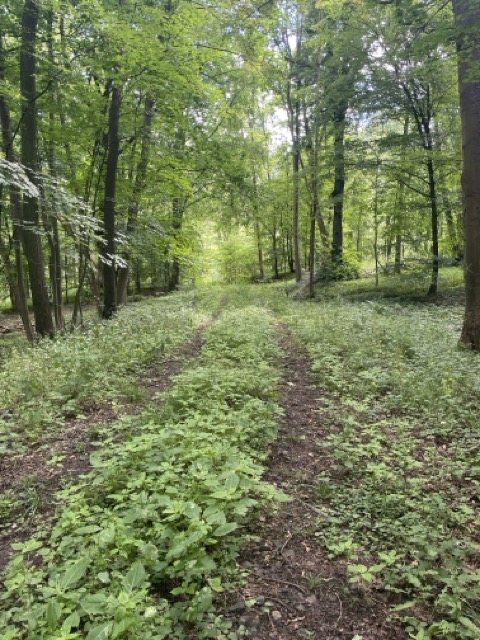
(177, 219)
(433, 289)
(53, 235)
(31, 239)
(14, 271)
(313, 219)
(296, 194)
(134, 206)
(400, 208)
(109, 246)
(339, 186)
(467, 15)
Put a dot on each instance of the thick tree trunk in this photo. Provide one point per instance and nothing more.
(14, 270)
(339, 186)
(109, 247)
(31, 239)
(467, 15)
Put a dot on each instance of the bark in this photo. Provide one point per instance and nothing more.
(31, 239)
(296, 207)
(433, 290)
(13, 270)
(178, 208)
(276, 272)
(139, 186)
(52, 234)
(400, 209)
(311, 284)
(261, 261)
(422, 111)
(293, 105)
(467, 16)
(109, 246)
(339, 185)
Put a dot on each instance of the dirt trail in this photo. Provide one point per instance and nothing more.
(32, 480)
(299, 591)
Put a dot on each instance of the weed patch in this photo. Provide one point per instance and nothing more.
(42, 385)
(144, 544)
(402, 488)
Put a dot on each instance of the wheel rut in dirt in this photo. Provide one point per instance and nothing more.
(30, 479)
(298, 591)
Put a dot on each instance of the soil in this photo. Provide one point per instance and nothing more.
(32, 479)
(293, 589)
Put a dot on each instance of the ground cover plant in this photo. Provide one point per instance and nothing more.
(401, 480)
(40, 386)
(143, 544)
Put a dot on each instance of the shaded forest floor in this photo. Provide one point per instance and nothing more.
(363, 525)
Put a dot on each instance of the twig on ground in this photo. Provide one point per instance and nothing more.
(290, 584)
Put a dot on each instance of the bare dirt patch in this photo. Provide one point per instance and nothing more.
(294, 590)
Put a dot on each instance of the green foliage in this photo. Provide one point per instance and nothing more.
(40, 385)
(401, 489)
(236, 259)
(346, 269)
(143, 545)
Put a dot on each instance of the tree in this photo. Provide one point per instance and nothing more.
(467, 17)
(31, 239)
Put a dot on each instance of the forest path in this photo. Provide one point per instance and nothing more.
(299, 591)
(32, 480)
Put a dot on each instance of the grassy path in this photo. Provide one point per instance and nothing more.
(294, 590)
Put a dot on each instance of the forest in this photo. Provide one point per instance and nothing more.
(239, 319)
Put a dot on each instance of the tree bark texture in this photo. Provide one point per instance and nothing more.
(138, 187)
(14, 270)
(178, 207)
(339, 185)
(109, 246)
(31, 238)
(467, 17)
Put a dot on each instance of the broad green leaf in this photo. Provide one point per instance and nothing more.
(100, 632)
(471, 626)
(135, 577)
(52, 613)
(232, 481)
(73, 574)
(71, 622)
(191, 510)
(104, 577)
(94, 603)
(216, 584)
(120, 627)
(225, 529)
(106, 537)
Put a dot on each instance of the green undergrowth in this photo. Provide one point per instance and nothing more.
(146, 542)
(401, 481)
(410, 286)
(39, 386)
